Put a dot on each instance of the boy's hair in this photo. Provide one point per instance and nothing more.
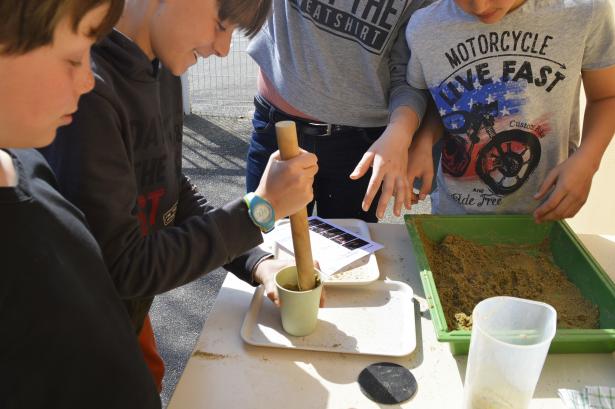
(249, 15)
(29, 24)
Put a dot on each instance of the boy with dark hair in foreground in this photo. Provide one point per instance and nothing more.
(66, 339)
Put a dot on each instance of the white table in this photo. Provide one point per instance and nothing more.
(227, 373)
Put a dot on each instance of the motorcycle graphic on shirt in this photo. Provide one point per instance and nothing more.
(503, 97)
(503, 164)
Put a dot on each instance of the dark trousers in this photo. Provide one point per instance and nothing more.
(338, 148)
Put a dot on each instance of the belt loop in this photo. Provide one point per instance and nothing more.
(329, 127)
(272, 114)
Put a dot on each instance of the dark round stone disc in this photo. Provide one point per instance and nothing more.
(386, 382)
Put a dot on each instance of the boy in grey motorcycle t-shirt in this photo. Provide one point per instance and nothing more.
(505, 78)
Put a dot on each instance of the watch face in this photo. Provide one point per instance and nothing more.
(261, 213)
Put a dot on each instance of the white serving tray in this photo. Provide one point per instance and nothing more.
(377, 319)
(361, 272)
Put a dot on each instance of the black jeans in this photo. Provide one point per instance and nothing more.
(335, 194)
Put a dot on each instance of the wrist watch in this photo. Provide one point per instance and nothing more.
(260, 211)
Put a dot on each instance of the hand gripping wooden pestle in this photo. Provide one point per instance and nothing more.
(286, 133)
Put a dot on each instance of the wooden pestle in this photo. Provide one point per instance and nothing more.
(286, 133)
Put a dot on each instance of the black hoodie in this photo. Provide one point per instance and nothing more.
(65, 339)
(120, 163)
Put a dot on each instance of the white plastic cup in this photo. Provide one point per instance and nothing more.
(508, 347)
(298, 309)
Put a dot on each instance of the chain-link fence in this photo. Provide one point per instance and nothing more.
(224, 86)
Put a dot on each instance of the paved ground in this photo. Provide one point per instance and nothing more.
(214, 158)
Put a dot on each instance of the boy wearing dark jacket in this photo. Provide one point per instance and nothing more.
(120, 159)
(66, 340)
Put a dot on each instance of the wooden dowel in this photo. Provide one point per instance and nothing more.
(286, 133)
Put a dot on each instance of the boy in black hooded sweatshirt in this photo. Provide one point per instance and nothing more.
(120, 159)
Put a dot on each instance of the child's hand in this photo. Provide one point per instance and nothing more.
(265, 275)
(420, 167)
(571, 181)
(287, 184)
(388, 157)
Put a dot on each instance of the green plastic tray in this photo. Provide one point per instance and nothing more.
(568, 253)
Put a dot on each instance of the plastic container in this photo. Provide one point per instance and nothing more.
(298, 309)
(510, 340)
(568, 253)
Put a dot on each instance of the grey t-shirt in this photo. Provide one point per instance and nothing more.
(507, 94)
(340, 61)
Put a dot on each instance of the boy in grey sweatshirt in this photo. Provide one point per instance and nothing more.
(338, 69)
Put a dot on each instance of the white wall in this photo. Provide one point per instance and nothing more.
(598, 214)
